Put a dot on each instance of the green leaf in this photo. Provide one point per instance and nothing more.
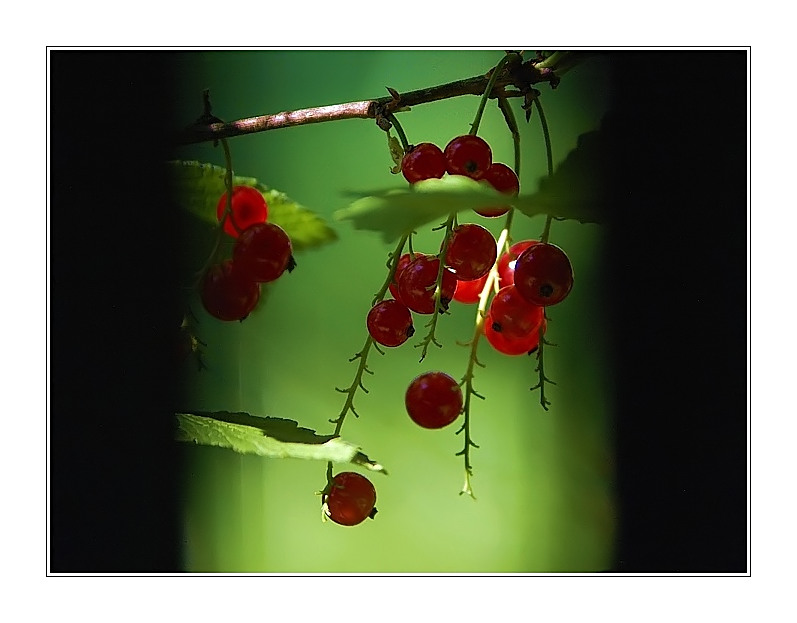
(197, 187)
(395, 212)
(267, 436)
(577, 190)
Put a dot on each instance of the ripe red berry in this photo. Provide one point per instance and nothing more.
(506, 263)
(511, 345)
(351, 499)
(403, 262)
(433, 400)
(471, 251)
(543, 274)
(513, 316)
(422, 162)
(468, 155)
(468, 291)
(248, 207)
(390, 323)
(504, 180)
(416, 285)
(264, 252)
(227, 293)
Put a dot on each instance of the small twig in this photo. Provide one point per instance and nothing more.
(520, 76)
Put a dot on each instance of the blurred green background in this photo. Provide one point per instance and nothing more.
(543, 480)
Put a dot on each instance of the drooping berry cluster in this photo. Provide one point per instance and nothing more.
(467, 155)
(532, 275)
(469, 255)
(262, 253)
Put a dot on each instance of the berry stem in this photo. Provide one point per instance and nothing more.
(399, 130)
(544, 402)
(544, 238)
(549, 158)
(362, 355)
(511, 122)
(474, 127)
(438, 290)
(467, 379)
(395, 256)
(228, 175)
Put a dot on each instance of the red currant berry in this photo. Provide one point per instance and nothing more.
(468, 292)
(511, 345)
(263, 251)
(417, 285)
(471, 251)
(422, 162)
(433, 400)
(513, 316)
(468, 155)
(227, 293)
(543, 274)
(248, 206)
(504, 180)
(403, 262)
(351, 499)
(390, 323)
(506, 263)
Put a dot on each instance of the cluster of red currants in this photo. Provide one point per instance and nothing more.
(467, 155)
(531, 275)
(262, 252)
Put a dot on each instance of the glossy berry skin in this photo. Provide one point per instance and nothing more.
(416, 285)
(228, 294)
(513, 316)
(403, 262)
(543, 274)
(506, 263)
(433, 400)
(248, 207)
(471, 251)
(504, 180)
(351, 499)
(423, 162)
(468, 155)
(263, 251)
(390, 323)
(468, 292)
(509, 345)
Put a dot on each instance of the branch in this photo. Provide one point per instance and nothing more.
(517, 74)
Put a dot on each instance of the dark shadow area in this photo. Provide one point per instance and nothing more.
(679, 181)
(113, 315)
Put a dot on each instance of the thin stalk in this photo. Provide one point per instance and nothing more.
(362, 355)
(511, 122)
(549, 157)
(474, 127)
(467, 379)
(438, 290)
(544, 402)
(228, 175)
(405, 144)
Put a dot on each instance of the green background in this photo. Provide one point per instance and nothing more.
(543, 480)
